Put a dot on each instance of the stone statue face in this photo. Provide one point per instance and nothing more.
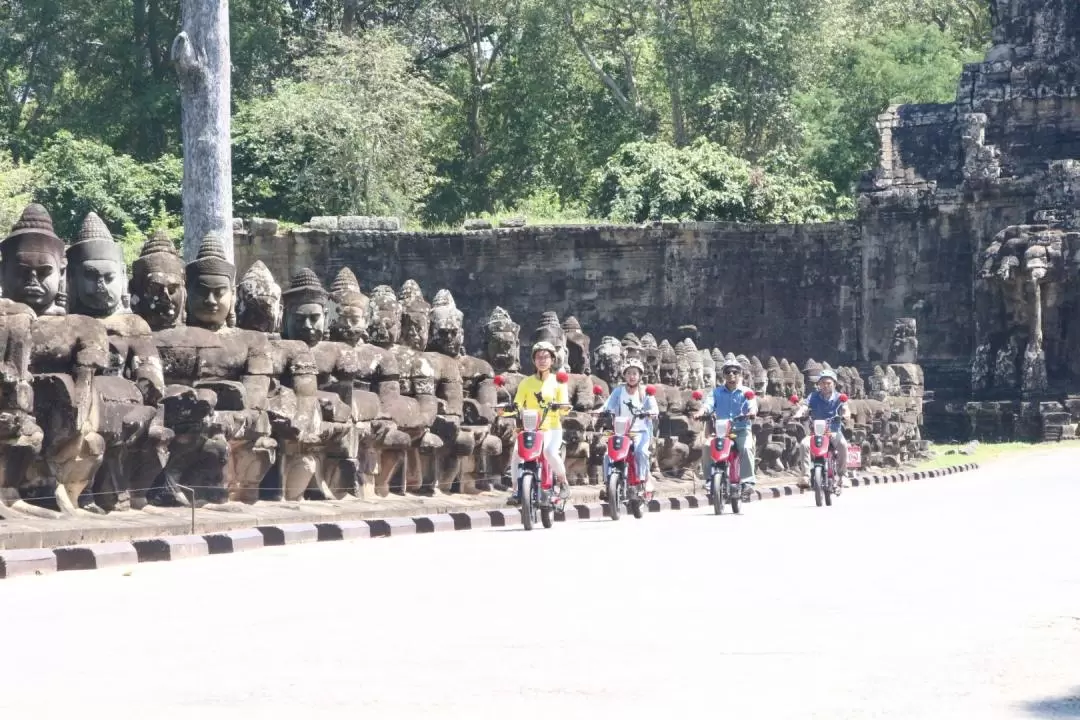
(609, 358)
(100, 285)
(33, 278)
(384, 318)
(708, 376)
(652, 364)
(306, 322)
(211, 299)
(669, 374)
(448, 339)
(415, 328)
(577, 355)
(164, 295)
(503, 350)
(350, 325)
(259, 313)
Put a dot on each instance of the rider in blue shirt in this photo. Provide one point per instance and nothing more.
(727, 402)
(824, 404)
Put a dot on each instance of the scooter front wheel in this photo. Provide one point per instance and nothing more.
(613, 499)
(527, 512)
(718, 481)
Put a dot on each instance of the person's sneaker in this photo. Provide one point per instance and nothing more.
(513, 501)
(747, 493)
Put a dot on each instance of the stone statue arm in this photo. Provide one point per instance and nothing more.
(144, 368)
(90, 358)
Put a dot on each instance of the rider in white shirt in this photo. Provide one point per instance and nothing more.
(642, 428)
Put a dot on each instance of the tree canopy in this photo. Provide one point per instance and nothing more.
(436, 110)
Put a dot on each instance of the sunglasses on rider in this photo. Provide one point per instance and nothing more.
(733, 372)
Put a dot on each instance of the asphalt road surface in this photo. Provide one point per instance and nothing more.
(949, 598)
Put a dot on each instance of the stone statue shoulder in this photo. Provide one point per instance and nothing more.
(336, 360)
(293, 357)
(474, 368)
(376, 362)
(187, 336)
(127, 325)
(63, 341)
(10, 308)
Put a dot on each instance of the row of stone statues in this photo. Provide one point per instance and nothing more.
(187, 384)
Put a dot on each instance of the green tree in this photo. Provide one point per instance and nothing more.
(911, 64)
(16, 187)
(73, 177)
(703, 181)
(350, 136)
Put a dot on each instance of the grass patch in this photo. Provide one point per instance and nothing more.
(985, 452)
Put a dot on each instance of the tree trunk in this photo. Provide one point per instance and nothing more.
(201, 55)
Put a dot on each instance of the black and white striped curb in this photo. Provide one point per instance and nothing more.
(14, 563)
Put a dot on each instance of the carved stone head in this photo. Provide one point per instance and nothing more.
(415, 316)
(577, 347)
(447, 326)
(794, 384)
(33, 263)
(258, 300)
(877, 386)
(633, 346)
(682, 364)
(774, 378)
(347, 309)
(211, 292)
(697, 368)
(744, 363)
(158, 287)
(551, 331)
(708, 369)
(669, 366)
(905, 345)
(758, 379)
(97, 274)
(305, 308)
(608, 360)
(650, 353)
(502, 343)
(384, 317)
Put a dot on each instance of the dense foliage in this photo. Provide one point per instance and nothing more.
(435, 110)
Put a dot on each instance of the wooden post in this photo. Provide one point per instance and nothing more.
(201, 56)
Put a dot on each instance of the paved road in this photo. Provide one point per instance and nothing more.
(954, 598)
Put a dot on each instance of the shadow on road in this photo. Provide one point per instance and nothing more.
(1065, 706)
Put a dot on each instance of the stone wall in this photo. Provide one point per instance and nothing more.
(767, 289)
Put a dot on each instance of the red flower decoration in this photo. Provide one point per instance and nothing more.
(561, 376)
(499, 381)
(750, 395)
(650, 389)
(597, 390)
(843, 397)
(697, 395)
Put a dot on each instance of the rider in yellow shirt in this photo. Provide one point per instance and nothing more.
(552, 391)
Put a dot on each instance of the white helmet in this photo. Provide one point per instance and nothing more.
(546, 346)
(634, 363)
